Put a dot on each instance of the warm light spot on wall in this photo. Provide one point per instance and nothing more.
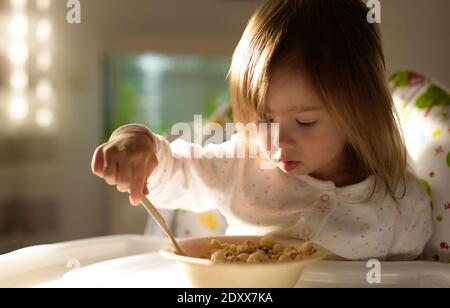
(44, 60)
(43, 5)
(18, 4)
(19, 80)
(44, 30)
(44, 90)
(18, 27)
(18, 54)
(44, 117)
(18, 108)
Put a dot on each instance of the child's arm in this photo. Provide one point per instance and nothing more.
(173, 176)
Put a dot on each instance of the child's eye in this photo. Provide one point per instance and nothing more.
(306, 124)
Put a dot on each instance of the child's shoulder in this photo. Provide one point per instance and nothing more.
(413, 184)
(413, 191)
(413, 224)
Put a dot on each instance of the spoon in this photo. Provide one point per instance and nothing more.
(160, 220)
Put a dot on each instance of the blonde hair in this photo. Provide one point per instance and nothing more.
(332, 42)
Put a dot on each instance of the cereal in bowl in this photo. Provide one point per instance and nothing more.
(266, 250)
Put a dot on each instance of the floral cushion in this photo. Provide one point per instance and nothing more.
(424, 109)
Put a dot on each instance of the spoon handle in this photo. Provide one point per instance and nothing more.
(160, 220)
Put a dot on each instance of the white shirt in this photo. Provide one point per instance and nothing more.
(258, 201)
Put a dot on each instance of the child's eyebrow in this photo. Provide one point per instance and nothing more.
(308, 108)
(298, 109)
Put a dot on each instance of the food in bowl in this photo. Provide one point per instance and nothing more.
(200, 271)
(264, 250)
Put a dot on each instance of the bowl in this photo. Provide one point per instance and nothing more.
(203, 273)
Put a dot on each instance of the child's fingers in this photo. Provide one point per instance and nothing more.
(132, 202)
(97, 163)
(138, 182)
(124, 175)
(110, 170)
(150, 167)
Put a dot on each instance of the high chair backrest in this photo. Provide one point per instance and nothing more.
(424, 113)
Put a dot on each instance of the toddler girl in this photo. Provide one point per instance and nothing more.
(316, 68)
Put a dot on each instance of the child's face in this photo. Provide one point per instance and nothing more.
(310, 142)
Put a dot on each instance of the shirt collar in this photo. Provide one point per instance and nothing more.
(351, 192)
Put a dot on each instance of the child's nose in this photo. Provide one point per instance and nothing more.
(286, 141)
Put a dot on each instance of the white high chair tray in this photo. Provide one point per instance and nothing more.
(133, 261)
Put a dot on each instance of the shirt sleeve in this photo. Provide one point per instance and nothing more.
(189, 176)
(413, 226)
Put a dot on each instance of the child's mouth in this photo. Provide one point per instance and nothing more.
(288, 165)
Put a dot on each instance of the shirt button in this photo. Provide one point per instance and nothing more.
(325, 197)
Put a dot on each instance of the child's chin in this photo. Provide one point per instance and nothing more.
(295, 172)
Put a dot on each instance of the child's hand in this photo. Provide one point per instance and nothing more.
(126, 161)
